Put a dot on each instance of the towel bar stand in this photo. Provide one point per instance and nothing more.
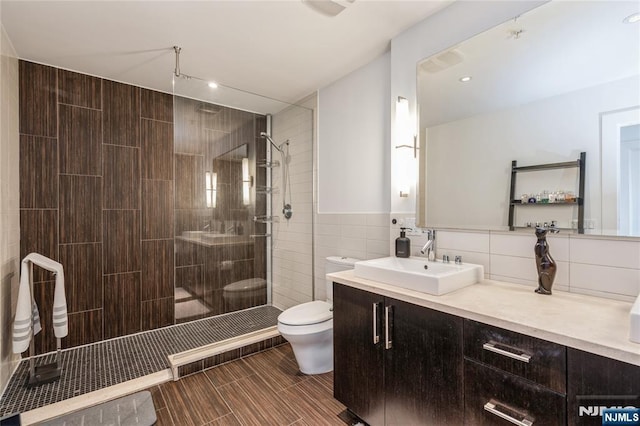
(45, 373)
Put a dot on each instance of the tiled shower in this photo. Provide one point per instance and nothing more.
(113, 185)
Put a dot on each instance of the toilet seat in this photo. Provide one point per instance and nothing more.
(306, 314)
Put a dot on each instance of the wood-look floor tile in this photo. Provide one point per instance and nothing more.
(228, 420)
(227, 373)
(277, 370)
(254, 403)
(321, 397)
(286, 351)
(163, 417)
(193, 401)
(326, 380)
(158, 399)
(311, 411)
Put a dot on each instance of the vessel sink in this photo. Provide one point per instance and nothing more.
(418, 274)
(201, 234)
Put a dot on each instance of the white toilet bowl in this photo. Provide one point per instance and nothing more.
(308, 327)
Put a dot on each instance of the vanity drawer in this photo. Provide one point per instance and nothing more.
(494, 397)
(537, 360)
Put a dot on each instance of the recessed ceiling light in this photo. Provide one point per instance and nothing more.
(464, 79)
(632, 19)
(213, 85)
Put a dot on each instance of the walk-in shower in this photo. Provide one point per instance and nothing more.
(239, 160)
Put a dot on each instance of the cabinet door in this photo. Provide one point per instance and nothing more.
(594, 381)
(358, 361)
(424, 367)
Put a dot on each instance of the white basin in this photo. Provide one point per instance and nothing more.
(202, 234)
(416, 273)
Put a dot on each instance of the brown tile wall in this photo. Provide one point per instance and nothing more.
(83, 197)
(104, 190)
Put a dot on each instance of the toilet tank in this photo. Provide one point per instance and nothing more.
(337, 264)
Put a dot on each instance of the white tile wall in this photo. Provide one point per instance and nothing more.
(9, 202)
(292, 274)
(361, 236)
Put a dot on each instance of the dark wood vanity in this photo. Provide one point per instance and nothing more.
(400, 363)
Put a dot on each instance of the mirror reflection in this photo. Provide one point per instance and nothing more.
(542, 88)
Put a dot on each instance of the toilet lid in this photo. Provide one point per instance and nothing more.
(245, 285)
(307, 313)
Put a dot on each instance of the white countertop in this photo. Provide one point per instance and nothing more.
(592, 324)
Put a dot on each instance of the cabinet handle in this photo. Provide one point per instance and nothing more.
(376, 333)
(493, 348)
(492, 407)
(388, 327)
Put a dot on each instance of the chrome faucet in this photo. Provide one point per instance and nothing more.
(430, 246)
(207, 226)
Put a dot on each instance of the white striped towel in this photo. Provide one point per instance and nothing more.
(27, 320)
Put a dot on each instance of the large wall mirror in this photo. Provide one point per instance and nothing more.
(562, 79)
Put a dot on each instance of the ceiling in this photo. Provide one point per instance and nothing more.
(279, 49)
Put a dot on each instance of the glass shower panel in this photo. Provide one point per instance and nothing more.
(228, 218)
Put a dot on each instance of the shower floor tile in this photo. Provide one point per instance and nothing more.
(89, 368)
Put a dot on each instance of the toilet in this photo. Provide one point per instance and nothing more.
(244, 294)
(308, 327)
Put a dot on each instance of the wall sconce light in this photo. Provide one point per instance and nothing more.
(247, 182)
(406, 139)
(404, 127)
(211, 186)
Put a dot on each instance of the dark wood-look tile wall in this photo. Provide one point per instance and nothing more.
(84, 328)
(121, 114)
(156, 105)
(80, 140)
(157, 269)
(157, 149)
(79, 89)
(38, 172)
(157, 313)
(38, 100)
(121, 304)
(38, 233)
(121, 177)
(80, 209)
(122, 243)
(99, 192)
(83, 275)
(157, 209)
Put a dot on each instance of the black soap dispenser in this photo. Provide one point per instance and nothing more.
(403, 245)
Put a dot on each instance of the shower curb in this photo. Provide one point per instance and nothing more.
(96, 397)
(198, 354)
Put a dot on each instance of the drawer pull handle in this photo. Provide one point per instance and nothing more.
(376, 334)
(493, 348)
(492, 407)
